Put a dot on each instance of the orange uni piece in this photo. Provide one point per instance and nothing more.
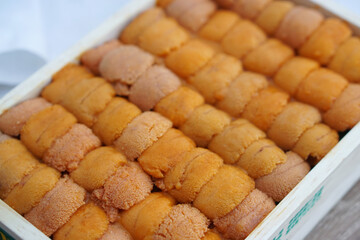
(57, 206)
(92, 57)
(143, 219)
(163, 37)
(323, 43)
(316, 142)
(32, 188)
(128, 186)
(196, 16)
(265, 107)
(183, 222)
(114, 118)
(156, 83)
(125, 64)
(250, 9)
(97, 167)
(244, 37)
(191, 57)
(141, 133)
(291, 124)
(165, 153)
(185, 180)
(63, 81)
(241, 91)
(293, 72)
(88, 98)
(178, 8)
(345, 112)
(298, 24)
(136, 27)
(68, 150)
(284, 177)
(223, 192)
(213, 79)
(204, 123)
(15, 163)
(13, 119)
(261, 158)
(232, 142)
(70, 72)
(88, 222)
(178, 105)
(240, 222)
(43, 128)
(321, 88)
(272, 15)
(268, 57)
(218, 25)
(346, 60)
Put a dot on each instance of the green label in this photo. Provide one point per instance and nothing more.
(4, 235)
(299, 215)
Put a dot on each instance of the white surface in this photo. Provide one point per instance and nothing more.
(33, 32)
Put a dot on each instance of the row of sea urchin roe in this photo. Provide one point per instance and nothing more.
(44, 130)
(194, 173)
(57, 207)
(71, 73)
(218, 77)
(299, 76)
(50, 202)
(326, 40)
(238, 142)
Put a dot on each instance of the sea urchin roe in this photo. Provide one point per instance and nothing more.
(182, 222)
(204, 123)
(284, 178)
(13, 120)
(31, 189)
(223, 192)
(57, 206)
(43, 128)
(185, 180)
(15, 163)
(178, 105)
(143, 219)
(88, 222)
(165, 153)
(141, 133)
(232, 142)
(97, 167)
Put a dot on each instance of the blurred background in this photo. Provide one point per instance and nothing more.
(33, 32)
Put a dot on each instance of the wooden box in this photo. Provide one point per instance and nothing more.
(292, 219)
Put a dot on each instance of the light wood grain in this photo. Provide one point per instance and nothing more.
(343, 222)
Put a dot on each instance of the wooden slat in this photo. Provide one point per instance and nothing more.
(16, 226)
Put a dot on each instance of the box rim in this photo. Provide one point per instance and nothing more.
(328, 165)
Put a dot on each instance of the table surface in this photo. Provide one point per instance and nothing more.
(343, 222)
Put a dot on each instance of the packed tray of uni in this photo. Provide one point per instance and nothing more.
(192, 124)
